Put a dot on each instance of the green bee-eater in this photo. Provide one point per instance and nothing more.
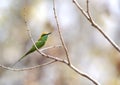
(40, 43)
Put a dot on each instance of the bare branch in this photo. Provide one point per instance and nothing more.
(28, 68)
(56, 46)
(81, 9)
(70, 65)
(60, 34)
(88, 17)
(87, 1)
(84, 75)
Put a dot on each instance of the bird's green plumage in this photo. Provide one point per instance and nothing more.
(40, 43)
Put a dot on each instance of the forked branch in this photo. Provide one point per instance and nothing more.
(88, 17)
(69, 63)
(59, 31)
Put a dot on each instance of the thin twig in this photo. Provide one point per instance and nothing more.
(60, 34)
(87, 15)
(28, 68)
(80, 8)
(87, 1)
(55, 46)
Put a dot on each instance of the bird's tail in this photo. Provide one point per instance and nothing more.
(18, 61)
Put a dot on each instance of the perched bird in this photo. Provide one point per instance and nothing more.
(40, 43)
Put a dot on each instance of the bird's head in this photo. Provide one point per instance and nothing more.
(44, 36)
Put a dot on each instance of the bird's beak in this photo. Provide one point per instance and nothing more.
(49, 33)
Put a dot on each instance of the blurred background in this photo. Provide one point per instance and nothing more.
(89, 51)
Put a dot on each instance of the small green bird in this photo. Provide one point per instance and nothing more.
(40, 43)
